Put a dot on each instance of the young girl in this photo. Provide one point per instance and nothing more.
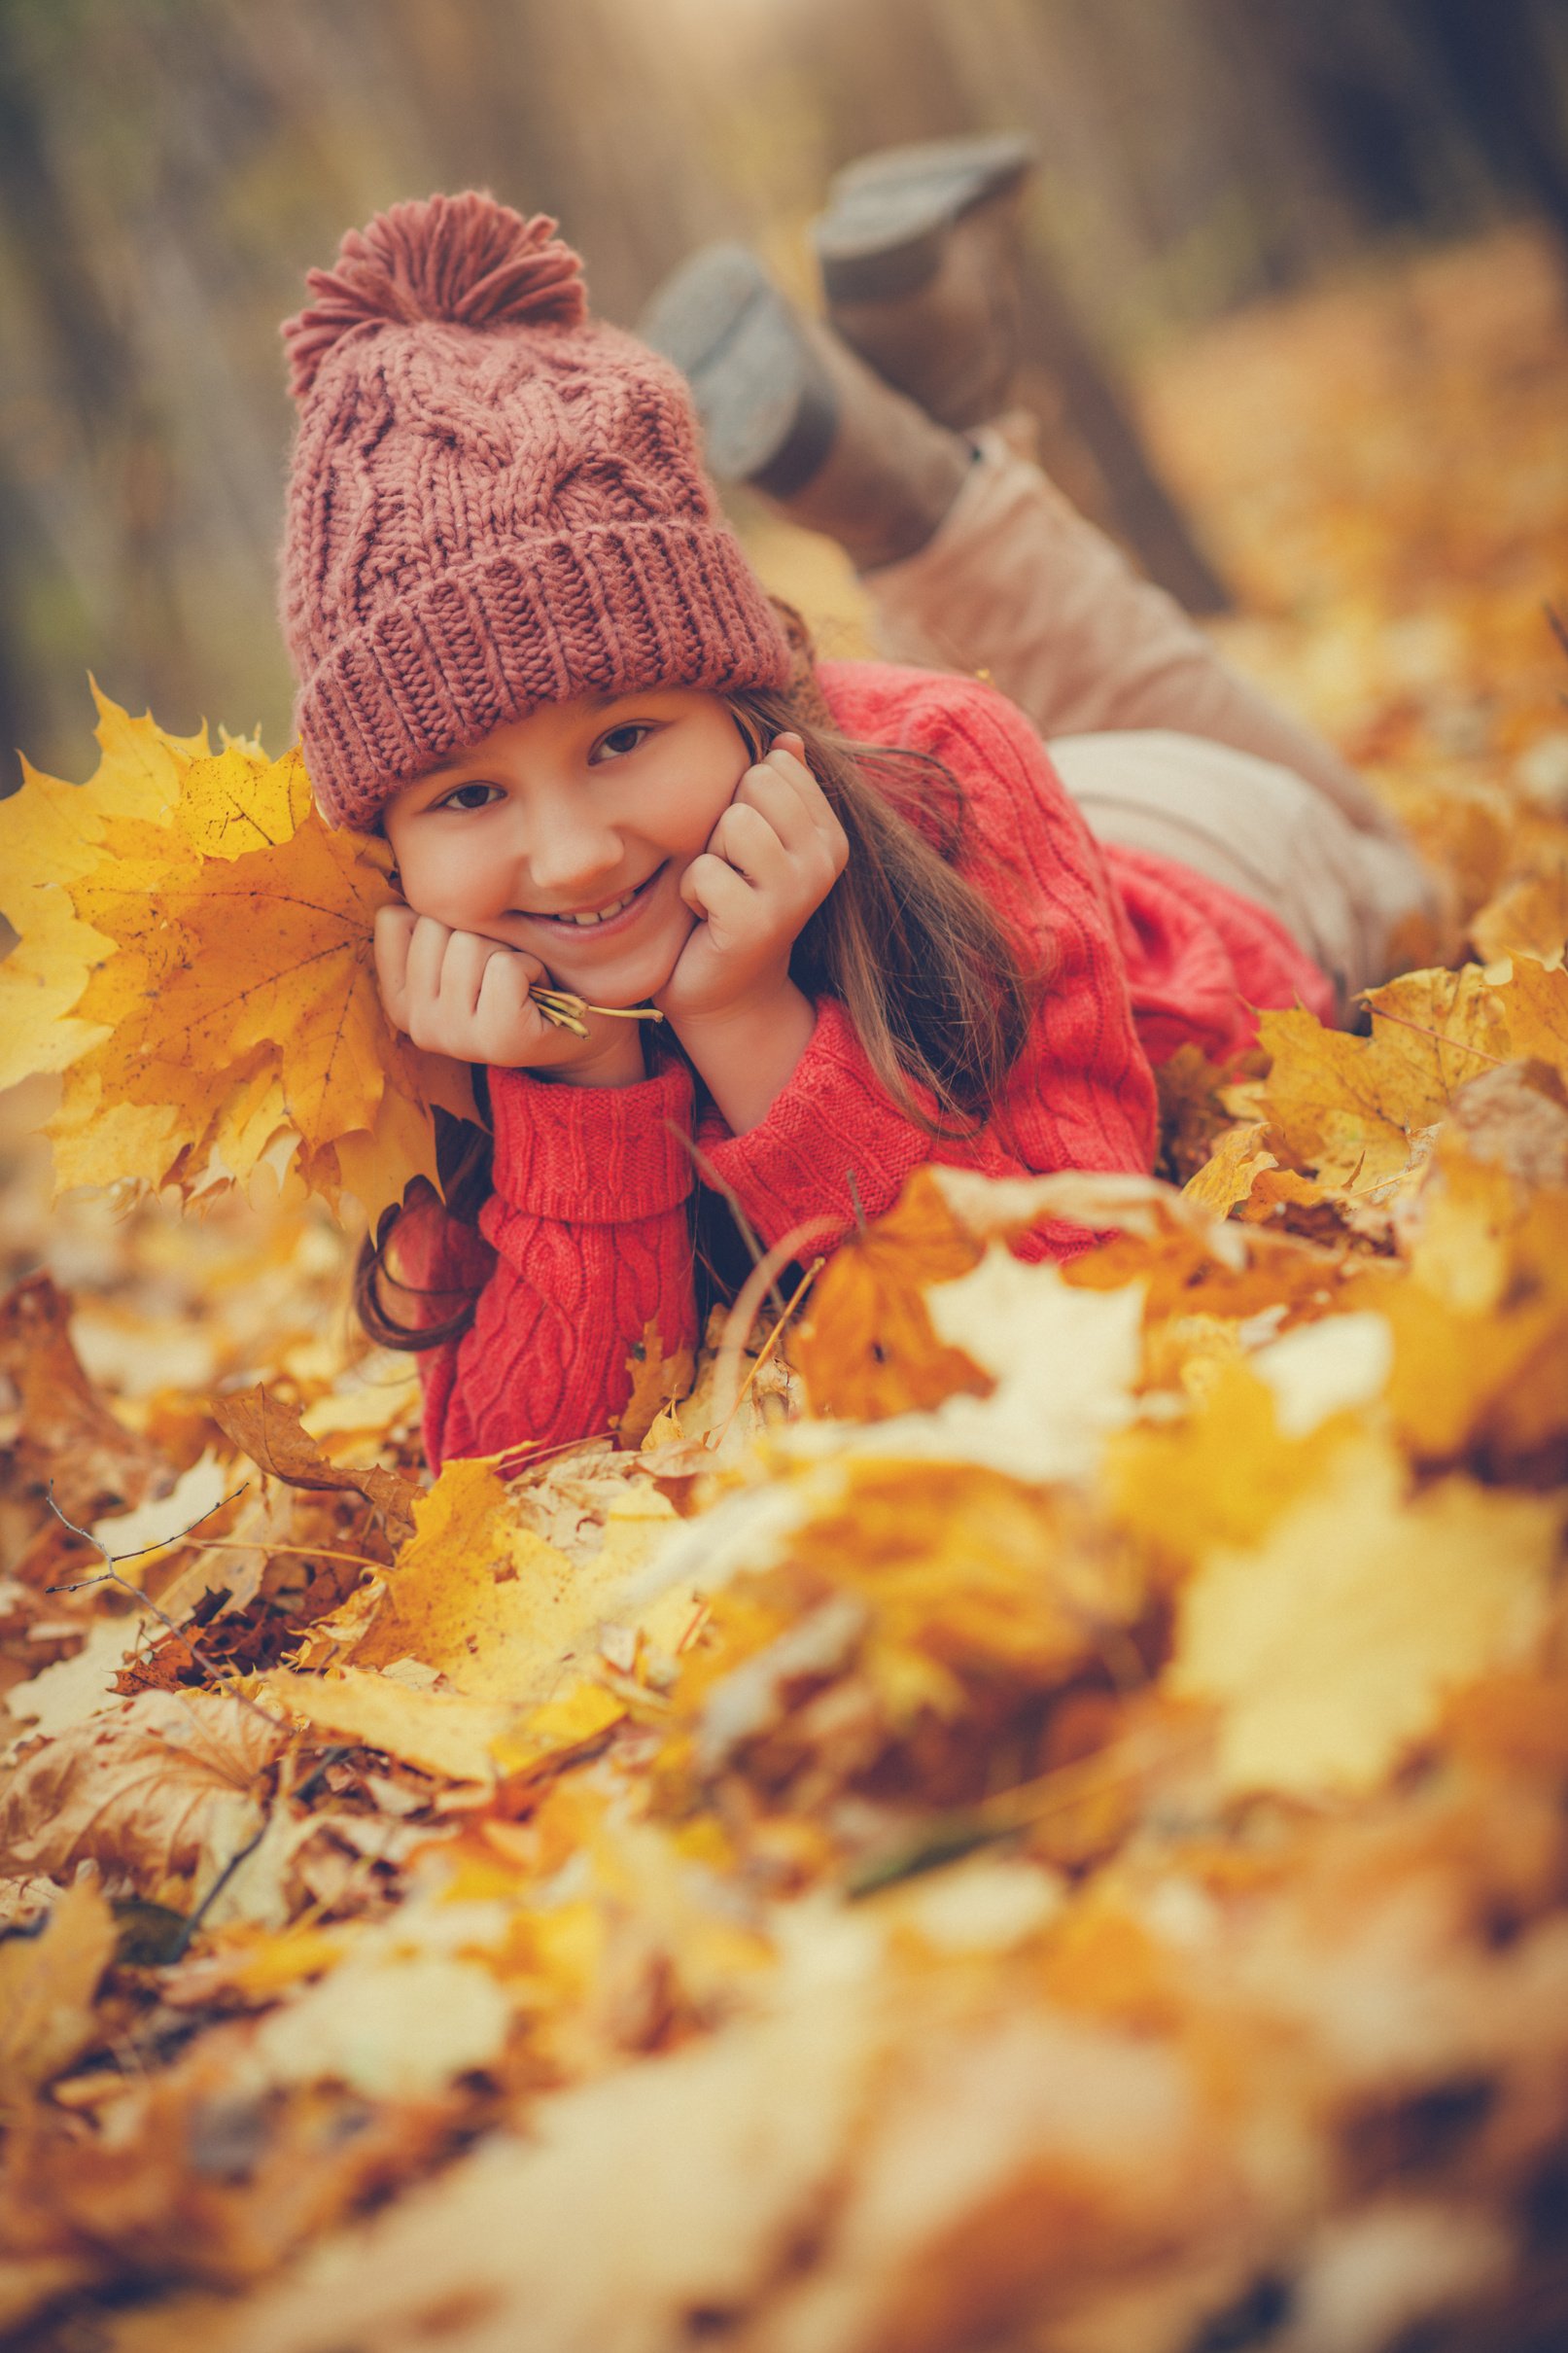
(878, 928)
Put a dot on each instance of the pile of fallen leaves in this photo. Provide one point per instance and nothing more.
(1031, 1810)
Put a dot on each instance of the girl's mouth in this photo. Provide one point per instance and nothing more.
(615, 917)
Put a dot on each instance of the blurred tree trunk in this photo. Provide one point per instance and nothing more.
(120, 488)
(16, 707)
(1123, 492)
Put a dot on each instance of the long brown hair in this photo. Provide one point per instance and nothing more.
(933, 982)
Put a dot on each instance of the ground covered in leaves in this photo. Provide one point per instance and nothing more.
(1031, 1813)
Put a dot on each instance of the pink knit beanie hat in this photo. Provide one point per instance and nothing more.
(495, 503)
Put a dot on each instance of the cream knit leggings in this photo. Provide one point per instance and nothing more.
(1161, 745)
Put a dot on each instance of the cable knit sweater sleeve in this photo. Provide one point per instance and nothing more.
(591, 1239)
(1081, 1094)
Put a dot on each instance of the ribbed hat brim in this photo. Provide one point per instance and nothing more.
(608, 610)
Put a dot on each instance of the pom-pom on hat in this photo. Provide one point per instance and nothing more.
(495, 503)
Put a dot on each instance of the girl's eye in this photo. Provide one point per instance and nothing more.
(469, 797)
(616, 742)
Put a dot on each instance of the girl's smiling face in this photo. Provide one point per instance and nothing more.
(566, 833)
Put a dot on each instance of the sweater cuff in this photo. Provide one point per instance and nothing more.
(783, 1170)
(592, 1155)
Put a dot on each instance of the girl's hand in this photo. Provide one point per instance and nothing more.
(455, 992)
(771, 860)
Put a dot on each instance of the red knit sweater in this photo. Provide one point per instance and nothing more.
(588, 1222)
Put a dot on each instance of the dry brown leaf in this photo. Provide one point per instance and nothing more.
(160, 1792)
(47, 1982)
(658, 1381)
(68, 1434)
(270, 1432)
(1517, 1116)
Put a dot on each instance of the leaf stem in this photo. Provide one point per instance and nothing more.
(566, 1010)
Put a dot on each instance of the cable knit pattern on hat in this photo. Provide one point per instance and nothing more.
(495, 503)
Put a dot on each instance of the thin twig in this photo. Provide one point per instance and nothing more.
(715, 1185)
(110, 1576)
(293, 1797)
(957, 1832)
(254, 1544)
(167, 1543)
(164, 1544)
(770, 1343)
(694, 1625)
(181, 1943)
(762, 1279)
(511, 1462)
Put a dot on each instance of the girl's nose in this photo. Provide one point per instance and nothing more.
(570, 848)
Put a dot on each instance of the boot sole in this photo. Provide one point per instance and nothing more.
(766, 407)
(882, 235)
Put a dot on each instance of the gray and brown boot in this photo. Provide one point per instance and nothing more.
(919, 255)
(788, 408)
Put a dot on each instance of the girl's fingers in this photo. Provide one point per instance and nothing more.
(814, 843)
(691, 882)
(784, 787)
(394, 929)
(780, 802)
(710, 887)
(467, 958)
(745, 839)
(427, 951)
(504, 1012)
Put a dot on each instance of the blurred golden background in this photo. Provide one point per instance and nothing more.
(169, 169)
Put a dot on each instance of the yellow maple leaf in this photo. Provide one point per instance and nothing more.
(964, 1569)
(1333, 1644)
(1534, 1003)
(441, 1731)
(867, 1348)
(499, 1612)
(1481, 1323)
(1238, 1158)
(54, 834)
(196, 955)
(1222, 1475)
(1528, 918)
(241, 800)
(1350, 1109)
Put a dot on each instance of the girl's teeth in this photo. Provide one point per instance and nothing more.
(604, 914)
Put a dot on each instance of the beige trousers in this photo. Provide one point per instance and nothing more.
(1162, 745)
